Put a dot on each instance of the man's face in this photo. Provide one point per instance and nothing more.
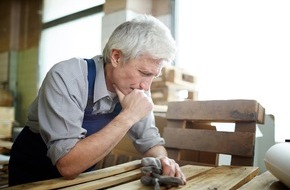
(136, 74)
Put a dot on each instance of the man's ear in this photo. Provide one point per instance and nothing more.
(115, 57)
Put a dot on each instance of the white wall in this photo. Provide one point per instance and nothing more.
(239, 50)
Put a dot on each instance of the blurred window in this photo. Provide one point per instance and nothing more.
(70, 29)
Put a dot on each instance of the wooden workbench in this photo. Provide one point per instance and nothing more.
(127, 176)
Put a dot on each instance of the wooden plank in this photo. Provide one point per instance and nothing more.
(108, 182)
(174, 154)
(82, 178)
(244, 127)
(265, 181)
(4, 162)
(223, 177)
(160, 108)
(200, 156)
(173, 86)
(162, 93)
(189, 171)
(6, 144)
(237, 143)
(175, 75)
(176, 123)
(217, 111)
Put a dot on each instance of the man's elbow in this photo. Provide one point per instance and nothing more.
(66, 171)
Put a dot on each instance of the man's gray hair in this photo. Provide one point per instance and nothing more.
(144, 34)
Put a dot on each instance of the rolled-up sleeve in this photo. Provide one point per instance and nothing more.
(145, 134)
(61, 104)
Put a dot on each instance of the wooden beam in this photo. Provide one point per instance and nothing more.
(237, 143)
(84, 177)
(217, 111)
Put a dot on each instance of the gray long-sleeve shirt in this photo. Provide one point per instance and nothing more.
(58, 110)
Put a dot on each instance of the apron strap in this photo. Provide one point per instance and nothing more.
(91, 80)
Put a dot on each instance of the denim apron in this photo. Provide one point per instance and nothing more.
(28, 160)
(94, 123)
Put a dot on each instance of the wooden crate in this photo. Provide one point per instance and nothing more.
(174, 75)
(173, 92)
(187, 121)
(174, 84)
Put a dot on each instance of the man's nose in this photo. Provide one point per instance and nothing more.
(145, 85)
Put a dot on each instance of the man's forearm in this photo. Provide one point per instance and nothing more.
(156, 151)
(93, 148)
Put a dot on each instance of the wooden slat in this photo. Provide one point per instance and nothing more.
(238, 143)
(4, 162)
(265, 181)
(244, 127)
(217, 111)
(189, 171)
(6, 144)
(108, 182)
(224, 177)
(176, 123)
(84, 177)
(174, 154)
(170, 92)
(174, 75)
(200, 156)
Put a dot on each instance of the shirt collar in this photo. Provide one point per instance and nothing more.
(100, 88)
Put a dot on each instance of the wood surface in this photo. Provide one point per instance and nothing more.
(246, 127)
(109, 181)
(4, 162)
(217, 111)
(128, 177)
(237, 143)
(84, 177)
(265, 181)
(6, 144)
(189, 171)
(224, 177)
(240, 143)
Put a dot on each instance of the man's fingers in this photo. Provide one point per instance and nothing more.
(119, 93)
(180, 174)
(171, 168)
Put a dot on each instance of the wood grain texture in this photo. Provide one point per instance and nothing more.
(217, 110)
(6, 144)
(189, 171)
(265, 181)
(224, 177)
(84, 177)
(198, 177)
(237, 143)
(108, 182)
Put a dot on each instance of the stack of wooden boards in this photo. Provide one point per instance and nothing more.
(5, 147)
(6, 122)
(174, 84)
